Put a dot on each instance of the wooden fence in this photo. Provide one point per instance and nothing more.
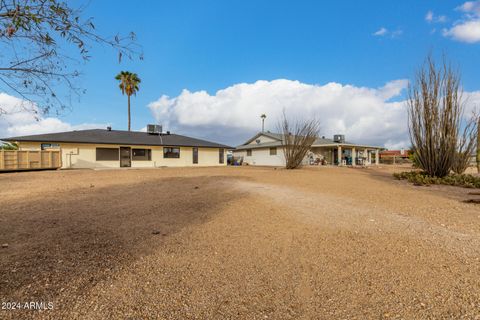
(12, 160)
(394, 160)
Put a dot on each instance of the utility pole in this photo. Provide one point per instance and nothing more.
(263, 116)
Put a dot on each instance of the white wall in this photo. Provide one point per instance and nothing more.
(262, 157)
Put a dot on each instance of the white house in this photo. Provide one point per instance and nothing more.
(265, 149)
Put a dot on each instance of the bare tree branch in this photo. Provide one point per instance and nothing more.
(478, 144)
(35, 60)
(297, 139)
(466, 146)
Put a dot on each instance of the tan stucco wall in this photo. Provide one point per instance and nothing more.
(84, 156)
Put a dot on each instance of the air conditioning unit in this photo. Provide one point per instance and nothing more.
(154, 128)
(339, 138)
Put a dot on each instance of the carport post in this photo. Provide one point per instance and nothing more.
(365, 156)
(377, 156)
(339, 157)
(354, 157)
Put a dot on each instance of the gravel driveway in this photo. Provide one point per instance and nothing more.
(236, 243)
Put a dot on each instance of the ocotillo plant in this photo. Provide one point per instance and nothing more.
(478, 144)
(435, 108)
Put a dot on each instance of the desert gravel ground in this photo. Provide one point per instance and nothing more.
(237, 243)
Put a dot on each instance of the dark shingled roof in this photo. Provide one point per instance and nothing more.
(101, 136)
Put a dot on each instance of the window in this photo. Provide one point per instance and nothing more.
(221, 156)
(107, 154)
(141, 154)
(169, 152)
(273, 151)
(249, 152)
(45, 146)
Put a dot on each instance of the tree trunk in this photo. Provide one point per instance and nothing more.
(478, 145)
(128, 112)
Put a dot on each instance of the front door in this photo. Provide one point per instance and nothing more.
(125, 157)
(195, 155)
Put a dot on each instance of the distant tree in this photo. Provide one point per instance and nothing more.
(297, 139)
(128, 85)
(9, 146)
(36, 61)
(435, 109)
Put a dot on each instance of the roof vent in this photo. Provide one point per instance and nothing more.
(154, 129)
(109, 128)
(340, 138)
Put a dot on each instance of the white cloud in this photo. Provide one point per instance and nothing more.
(442, 19)
(430, 17)
(375, 116)
(18, 117)
(381, 32)
(470, 7)
(384, 32)
(472, 102)
(467, 29)
(232, 114)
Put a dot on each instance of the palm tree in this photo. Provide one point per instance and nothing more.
(129, 85)
(263, 116)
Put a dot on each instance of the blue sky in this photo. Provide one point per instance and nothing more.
(215, 45)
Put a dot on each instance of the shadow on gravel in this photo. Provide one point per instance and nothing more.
(67, 242)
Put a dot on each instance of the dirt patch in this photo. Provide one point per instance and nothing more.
(248, 243)
(63, 243)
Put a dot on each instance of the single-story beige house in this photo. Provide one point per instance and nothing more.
(99, 148)
(265, 149)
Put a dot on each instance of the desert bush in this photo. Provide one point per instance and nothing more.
(297, 139)
(413, 158)
(422, 178)
(465, 146)
(435, 108)
(478, 144)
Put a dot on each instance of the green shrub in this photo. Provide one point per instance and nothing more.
(412, 157)
(453, 179)
(8, 146)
